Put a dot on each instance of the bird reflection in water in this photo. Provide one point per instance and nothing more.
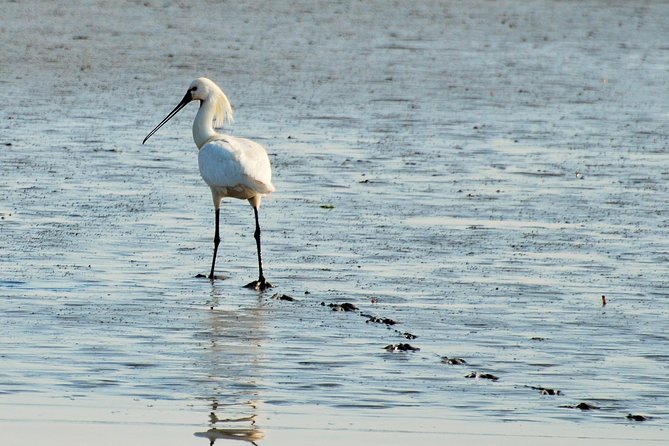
(233, 336)
(250, 434)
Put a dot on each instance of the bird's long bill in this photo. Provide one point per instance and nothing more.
(184, 102)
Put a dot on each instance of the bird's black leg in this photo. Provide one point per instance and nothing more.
(256, 235)
(261, 283)
(217, 240)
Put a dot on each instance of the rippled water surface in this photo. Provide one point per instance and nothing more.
(479, 173)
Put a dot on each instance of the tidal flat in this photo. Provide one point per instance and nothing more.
(477, 173)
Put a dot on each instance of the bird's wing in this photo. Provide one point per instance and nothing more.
(232, 162)
(255, 162)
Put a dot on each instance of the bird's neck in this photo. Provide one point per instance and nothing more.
(203, 129)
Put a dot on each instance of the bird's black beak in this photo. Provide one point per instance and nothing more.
(184, 102)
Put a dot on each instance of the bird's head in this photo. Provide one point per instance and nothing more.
(203, 90)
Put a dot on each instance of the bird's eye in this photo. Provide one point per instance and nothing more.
(193, 89)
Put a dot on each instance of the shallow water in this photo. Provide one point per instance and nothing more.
(481, 173)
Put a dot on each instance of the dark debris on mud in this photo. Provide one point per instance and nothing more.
(581, 406)
(401, 348)
(285, 297)
(479, 375)
(378, 320)
(453, 361)
(346, 306)
(637, 417)
(545, 390)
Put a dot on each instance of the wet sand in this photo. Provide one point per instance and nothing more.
(478, 173)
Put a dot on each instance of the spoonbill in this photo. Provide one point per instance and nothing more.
(231, 166)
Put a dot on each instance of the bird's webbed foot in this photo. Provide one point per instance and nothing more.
(259, 285)
(210, 277)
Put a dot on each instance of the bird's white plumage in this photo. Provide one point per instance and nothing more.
(231, 166)
(235, 167)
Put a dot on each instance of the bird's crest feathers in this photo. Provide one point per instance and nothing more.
(223, 110)
(222, 107)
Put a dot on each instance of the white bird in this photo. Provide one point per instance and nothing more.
(231, 166)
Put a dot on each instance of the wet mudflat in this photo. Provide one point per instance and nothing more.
(454, 180)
